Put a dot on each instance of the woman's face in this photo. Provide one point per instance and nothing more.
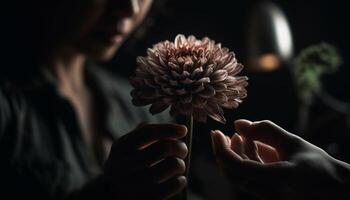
(97, 28)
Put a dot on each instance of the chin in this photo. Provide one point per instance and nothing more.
(105, 55)
(102, 54)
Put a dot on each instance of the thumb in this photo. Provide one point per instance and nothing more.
(268, 133)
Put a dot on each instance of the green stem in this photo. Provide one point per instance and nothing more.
(188, 141)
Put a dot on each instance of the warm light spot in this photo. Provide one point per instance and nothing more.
(268, 62)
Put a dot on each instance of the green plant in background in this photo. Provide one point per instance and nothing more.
(310, 65)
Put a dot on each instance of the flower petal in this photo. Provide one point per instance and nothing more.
(187, 81)
(230, 104)
(219, 75)
(208, 71)
(186, 99)
(185, 74)
(174, 83)
(158, 107)
(197, 72)
(215, 112)
(150, 83)
(168, 91)
(180, 40)
(176, 75)
(142, 102)
(137, 82)
(188, 65)
(218, 117)
(221, 98)
(141, 61)
(144, 94)
(191, 39)
(174, 66)
(180, 91)
(197, 88)
(161, 61)
(220, 87)
(203, 80)
(199, 102)
(234, 68)
(208, 92)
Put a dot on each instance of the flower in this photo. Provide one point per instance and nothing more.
(193, 77)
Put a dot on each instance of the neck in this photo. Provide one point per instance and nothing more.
(68, 69)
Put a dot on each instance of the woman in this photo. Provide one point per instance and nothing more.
(62, 119)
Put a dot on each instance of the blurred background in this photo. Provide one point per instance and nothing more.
(267, 37)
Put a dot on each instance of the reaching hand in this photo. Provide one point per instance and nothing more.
(148, 163)
(272, 163)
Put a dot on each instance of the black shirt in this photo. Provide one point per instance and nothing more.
(42, 151)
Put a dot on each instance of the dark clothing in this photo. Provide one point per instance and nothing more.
(42, 150)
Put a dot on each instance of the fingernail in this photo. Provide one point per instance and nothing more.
(228, 139)
(182, 180)
(185, 128)
(243, 121)
(239, 136)
(242, 124)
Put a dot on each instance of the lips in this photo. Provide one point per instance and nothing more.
(109, 35)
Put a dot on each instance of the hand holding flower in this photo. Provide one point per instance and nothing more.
(195, 78)
(147, 163)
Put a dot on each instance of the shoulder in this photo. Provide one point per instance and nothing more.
(9, 100)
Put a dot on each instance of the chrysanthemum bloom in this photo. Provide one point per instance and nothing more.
(193, 77)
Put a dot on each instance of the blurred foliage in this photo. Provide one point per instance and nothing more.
(310, 65)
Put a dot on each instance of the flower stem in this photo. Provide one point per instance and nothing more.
(188, 141)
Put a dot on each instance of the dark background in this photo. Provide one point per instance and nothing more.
(271, 95)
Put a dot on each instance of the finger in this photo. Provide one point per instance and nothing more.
(251, 150)
(235, 166)
(237, 146)
(228, 139)
(269, 133)
(220, 144)
(149, 133)
(166, 169)
(171, 187)
(157, 152)
(267, 153)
